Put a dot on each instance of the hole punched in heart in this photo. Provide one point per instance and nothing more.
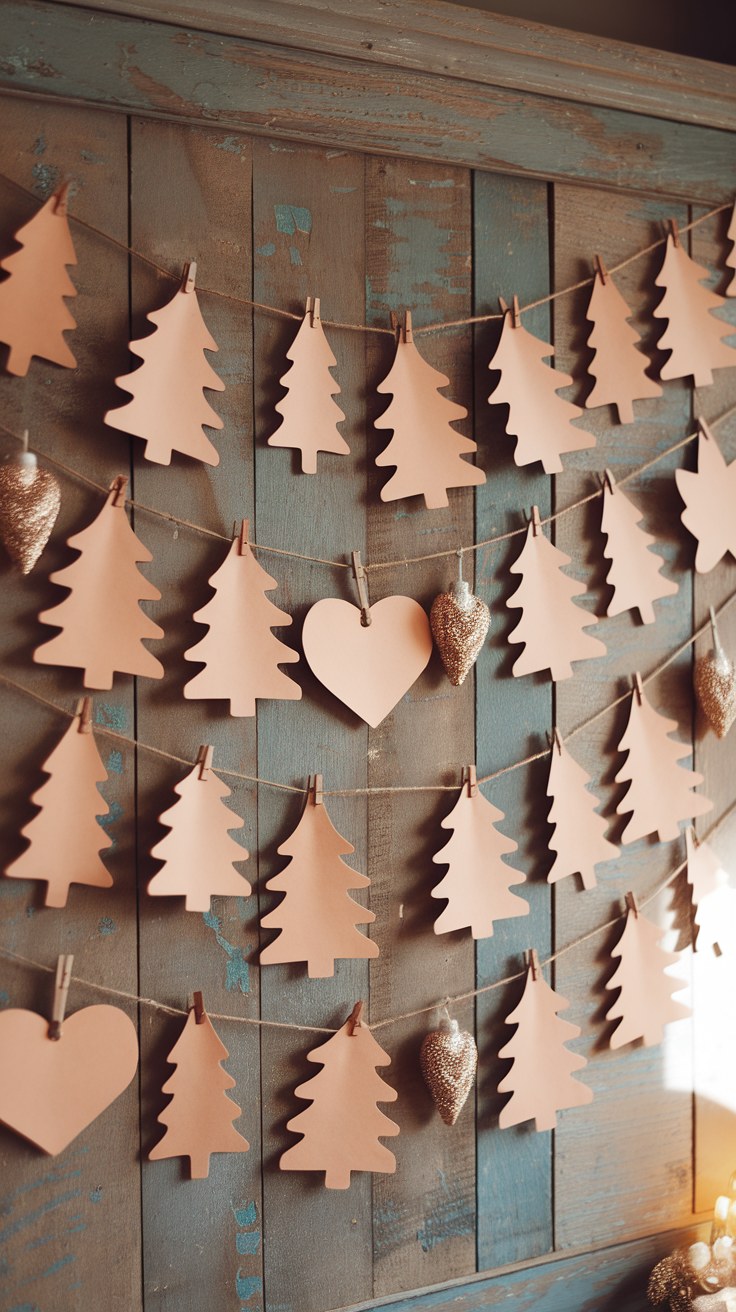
(61, 989)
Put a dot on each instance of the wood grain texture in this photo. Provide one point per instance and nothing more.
(470, 45)
(168, 72)
(512, 717)
(632, 1146)
(73, 1202)
(418, 258)
(190, 200)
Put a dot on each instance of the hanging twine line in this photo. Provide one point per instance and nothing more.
(367, 328)
(388, 1020)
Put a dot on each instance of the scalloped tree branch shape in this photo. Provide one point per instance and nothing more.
(618, 367)
(538, 418)
(200, 1115)
(731, 257)
(634, 573)
(478, 882)
(710, 502)
(342, 1127)
(309, 414)
(645, 1002)
(317, 918)
(65, 837)
(713, 898)
(693, 336)
(578, 838)
(661, 793)
(102, 624)
(241, 655)
(33, 315)
(425, 449)
(169, 408)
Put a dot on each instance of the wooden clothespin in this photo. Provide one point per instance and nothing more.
(118, 486)
(638, 687)
(503, 305)
(536, 521)
(556, 740)
(189, 276)
(531, 961)
(470, 776)
(198, 1005)
(516, 317)
(355, 1022)
(601, 269)
(84, 711)
(407, 334)
(243, 539)
(609, 481)
(62, 198)
(361, 579)
(704, 430)
(316, 788)
(204, 760)
(631, 903)
(61, 988)
(675, 232)
(394, 324)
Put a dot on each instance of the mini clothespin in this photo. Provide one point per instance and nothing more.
(638, 687)
(601, 269)
(536, 521)
(118, 486)
(204, 760)
(243, 539)
(470, 777)
(407, 333)
(316, 789)
(361, 580)
(556, 740)
(355, 1022)
(84, 711)
(704, 430)
(198, 1004)
(531, 961)
(675, 232)
(394, 324)
(189, 276)
(61, 988)
(609, 481)
(62, 196)
(516, 317)
(631, 903)
(313, 304)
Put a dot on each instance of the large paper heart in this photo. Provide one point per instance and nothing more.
(370, 668)
(51, 1090)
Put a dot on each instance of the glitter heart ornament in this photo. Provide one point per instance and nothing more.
(459, 621)
(448, 1060)
(30, 499)
(714, 678)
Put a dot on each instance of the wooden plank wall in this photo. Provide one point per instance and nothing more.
(278, 221)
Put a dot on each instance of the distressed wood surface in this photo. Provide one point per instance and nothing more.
(58, 1214)
(471, 45)
(168, 72)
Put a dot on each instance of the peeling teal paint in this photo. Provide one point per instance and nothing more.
(295, 256)
(36, 1243)
(106, 926)
(266, 250)
(113, 717)
(23, 1221)
(40, 144)
(342, 191)
(435, 182)
(242, 905)
(233, 144)
(237, 974)
(96, 1194)
(247, 1286)
(292, 218)
(4, 999)
(115, 763)
(63, 1261)
(245, 1214)
(89, 157)
(419, 260)
(46, 179)
(248, 1242)
(446, 1217)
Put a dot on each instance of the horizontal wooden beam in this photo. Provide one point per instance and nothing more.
(430, 36)
(122, 63)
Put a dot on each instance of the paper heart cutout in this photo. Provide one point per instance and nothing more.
(52, 1090)
(370, 668)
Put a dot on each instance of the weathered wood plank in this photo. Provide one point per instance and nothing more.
(472, 45)
(317, 1241)
(622, 1164)
(419, 243)
(190, 199)
(60, 1213)
(511, 248)
(168, 72)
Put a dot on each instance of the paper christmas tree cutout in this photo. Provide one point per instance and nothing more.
(538, 417)
(731, 257)
(425, 450)
(309, 414)
(540, 1079)
(198, 852)
(240, 652)
(617, 366)
(65, 837)
(33, 315)
(713, 898)
(478, 882)
(710, 502)
(200, 1115)
(578, 839)
(645, 1002)
(693, 336)
(169, 407)
(101, 621)
(342, 1127)
(317, 919)
(661, 790)
(634, 573)
(552, 626)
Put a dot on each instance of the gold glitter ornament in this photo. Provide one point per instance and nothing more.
(29, 504)
(670, 1283)
(448, 1059)
(714, 678)
(459, 621)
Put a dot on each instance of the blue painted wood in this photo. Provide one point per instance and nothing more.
(512, 715)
